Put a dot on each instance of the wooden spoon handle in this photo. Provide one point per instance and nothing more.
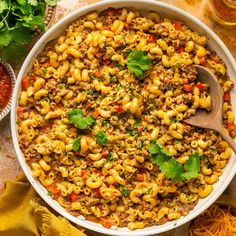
(228, 139)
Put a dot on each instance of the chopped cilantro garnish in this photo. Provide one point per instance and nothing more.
(110, 157)
(171, 167)
(101, 138)
(125, 191)
(76, 118)
(49, 193)
(44, 70)
(139, 146)
(113, 80)
(131, 87)
(76, 144)
(133, 132)
(138, 62)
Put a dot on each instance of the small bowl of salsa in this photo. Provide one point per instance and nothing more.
(7, 83)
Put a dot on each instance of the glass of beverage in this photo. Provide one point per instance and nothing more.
(223, 11)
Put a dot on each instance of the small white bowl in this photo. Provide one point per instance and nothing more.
(143, 5)
(11, 73)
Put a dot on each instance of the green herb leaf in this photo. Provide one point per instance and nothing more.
(17, 50)
(3, 6)
(138, 62)
(33, 2)
(51, 2)
(133, 132)
(110, 157)
(49, 193)
(5, 38)
(101, 138)
(76, 144)
(192, 167)
(76, 118)
(125, 191)
(171, 167)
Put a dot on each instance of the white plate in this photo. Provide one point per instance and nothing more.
(165, 10)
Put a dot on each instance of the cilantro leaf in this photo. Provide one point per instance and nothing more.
(171, 167)
(101, 138)
(192, 167)
(138, 62)
(76, 144)
(33, 2)
(133, 132)
(125, 191)
(3, 6)
(159, 159)
(5, 38)
(51, 2)
(20, 35)
(110, 157)
(76, 118)
(17, 50)
(156, 147)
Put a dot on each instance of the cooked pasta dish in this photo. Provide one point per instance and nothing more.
(101, 119)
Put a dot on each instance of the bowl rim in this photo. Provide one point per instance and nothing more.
(12, 75)
(84, 223)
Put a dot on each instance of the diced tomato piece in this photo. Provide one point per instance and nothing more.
(203, 61)
(180, 50)
(120, 109)
(110, 12)
(188, 87)
(83, 173)
(199, 85)
(21, 110)
(106, 222)
(231, 127)
(53, 189)
(106, 27)
(140, 129)
(73, 197)
(177, 25)
(98, 192)
(227, 96)
(152, 39)
(97, 73)
(35, 77)
(25, 83)
(105, 153)
(95, 113)
(139, 177)
(107, 62)
(126, 26)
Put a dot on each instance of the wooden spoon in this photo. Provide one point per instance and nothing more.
(213, 119)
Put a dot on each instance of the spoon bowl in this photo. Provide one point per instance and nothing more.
(212, 119)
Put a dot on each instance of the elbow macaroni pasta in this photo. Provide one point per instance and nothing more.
(116, 184)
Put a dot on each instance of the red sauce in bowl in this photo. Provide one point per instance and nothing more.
(5, 87)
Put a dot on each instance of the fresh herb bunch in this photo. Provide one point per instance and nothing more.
(171, 167)
(19, 19)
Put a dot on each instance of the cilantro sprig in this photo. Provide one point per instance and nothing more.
(172, 168)
(138, 62)
(76, 118)
(76, 144)
(101, 138)
(125, 191)
(18, 22)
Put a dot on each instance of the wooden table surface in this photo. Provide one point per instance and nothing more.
(9, 166)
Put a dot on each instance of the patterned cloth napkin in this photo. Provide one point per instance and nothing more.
(23, 213)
